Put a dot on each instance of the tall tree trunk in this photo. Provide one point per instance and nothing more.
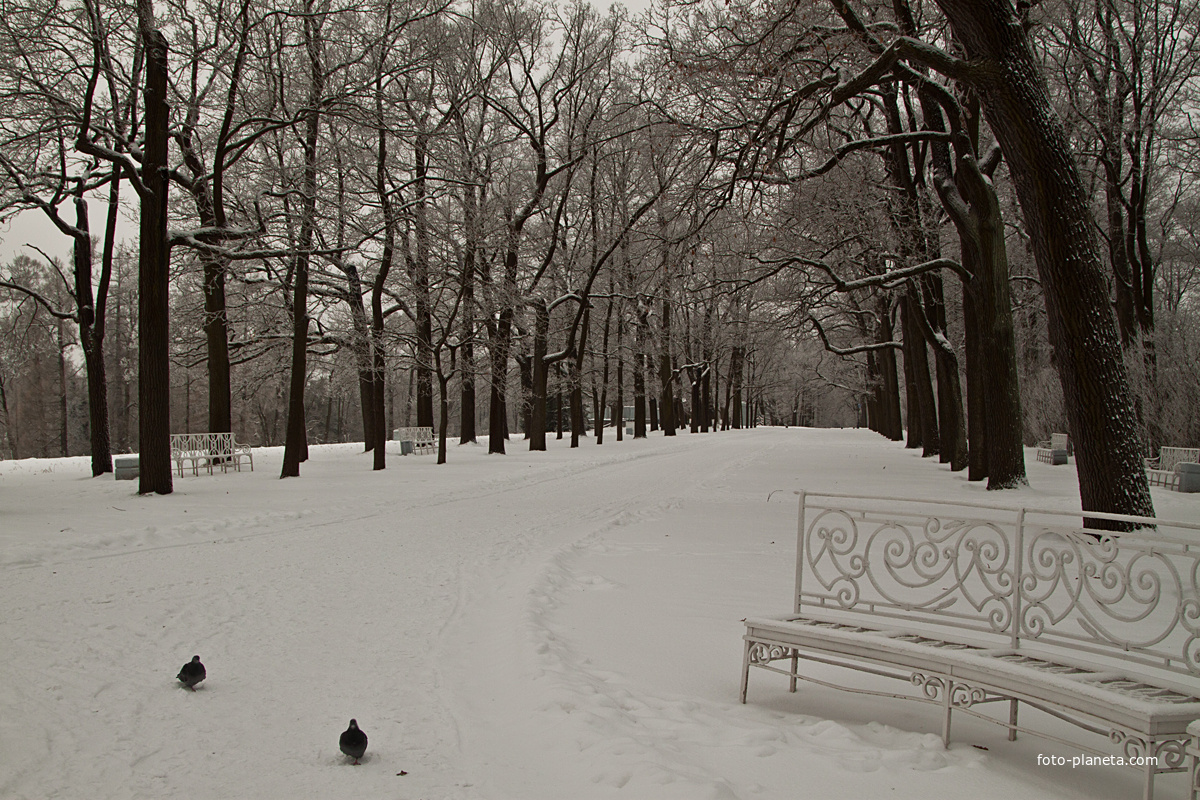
(91, 328)
(600, 393)
(952, 431)
(536, 428)
(216, 327)
(501, 336)
(63, 444)
(872, 419)
(295, 449)
(667, 385)
(443, 413)
(1058, 216)
(977, 449)
(498, 383)
(706, 407)
(361, 347)
(1005, 454)
(575, 375)
(619, 386)
(891, 423)
(737, 362)
(154, 375)
(378, 440)
(10, 428)
(466, 425)
(639, 374)
(969, 199)
(916, 355)
(419, 272)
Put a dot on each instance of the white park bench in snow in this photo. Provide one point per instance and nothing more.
(1053, 451)
(975, 606)
(209, 450)
(1166, 469)
(420, 440)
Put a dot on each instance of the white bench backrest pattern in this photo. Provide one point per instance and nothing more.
(1168, 457)
(414, 435)
(875, 559)
(1137, 593)
(216, 443)
(1031, 576)
(1058, 441)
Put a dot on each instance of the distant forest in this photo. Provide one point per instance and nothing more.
(961, 223)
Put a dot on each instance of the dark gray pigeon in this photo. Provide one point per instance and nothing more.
(191, 673)
(353, 741)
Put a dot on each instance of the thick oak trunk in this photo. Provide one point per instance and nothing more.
(154, 378)
(1058, 218)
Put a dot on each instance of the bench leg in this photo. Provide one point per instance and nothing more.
(795, 669)
(1012, 720)
(1148, 787)
(947, 710)
(746, 670)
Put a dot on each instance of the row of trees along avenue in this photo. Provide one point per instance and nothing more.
(902, 214)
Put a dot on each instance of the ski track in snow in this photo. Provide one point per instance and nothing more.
(546, 625)
(685, 736)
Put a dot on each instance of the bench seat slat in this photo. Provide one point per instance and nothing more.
(1098, 692)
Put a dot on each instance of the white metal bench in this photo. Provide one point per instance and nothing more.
(209, 450)
(1164, 470)
(1053, 451)
(421, 440)
(973, 606)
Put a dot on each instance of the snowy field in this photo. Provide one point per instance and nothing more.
(536, 626)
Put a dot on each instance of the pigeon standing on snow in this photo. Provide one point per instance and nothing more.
(353, 741)
(191, 673)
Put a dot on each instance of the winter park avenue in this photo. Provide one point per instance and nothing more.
(575, 400)
(535, 626)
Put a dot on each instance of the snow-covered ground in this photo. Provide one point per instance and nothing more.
(533, 626)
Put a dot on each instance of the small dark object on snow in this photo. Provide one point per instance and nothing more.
(192, 673)
(353, 741)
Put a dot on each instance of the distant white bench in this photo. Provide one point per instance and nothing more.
(972, 605)
(420, 440)
(209, 450)
(1164, 470)
(1053, 451)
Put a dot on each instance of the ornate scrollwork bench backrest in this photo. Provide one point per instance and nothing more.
(1134, 594)
(1029, 575)
(915, 561)
(189, 444)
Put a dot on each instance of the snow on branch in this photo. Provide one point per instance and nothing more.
(849, 351)
(40, 299)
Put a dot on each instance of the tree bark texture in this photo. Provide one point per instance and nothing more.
(667, 395)
(90, 313)
(540, 373)
(154, 376)
(915, 354)
(419, 272)
(295, 448)
(1058, 216)
(466, 425)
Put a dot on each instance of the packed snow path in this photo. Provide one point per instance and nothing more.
(537, 625)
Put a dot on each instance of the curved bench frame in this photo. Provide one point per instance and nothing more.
(973, 605)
